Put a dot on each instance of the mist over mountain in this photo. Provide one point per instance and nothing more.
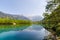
(36, 18)
(18, 17)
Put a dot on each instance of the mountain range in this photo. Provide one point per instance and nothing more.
(18, 17)
(36, 18)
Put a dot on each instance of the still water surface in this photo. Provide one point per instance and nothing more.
(33, 32)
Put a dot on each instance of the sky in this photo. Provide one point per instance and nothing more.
(23, 7)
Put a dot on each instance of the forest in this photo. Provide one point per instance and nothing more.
(51, 20)
(7, 21)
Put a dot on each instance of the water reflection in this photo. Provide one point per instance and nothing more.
(34, 32)
(5, 28)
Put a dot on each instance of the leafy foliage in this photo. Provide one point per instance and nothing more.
(52, 4)
(52, 21)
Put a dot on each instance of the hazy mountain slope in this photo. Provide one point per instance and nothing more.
(36, 18)
(19, 17)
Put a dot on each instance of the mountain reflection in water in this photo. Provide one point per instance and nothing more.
(34, 32)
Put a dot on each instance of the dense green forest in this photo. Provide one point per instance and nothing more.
(51, 19)
(7, 21)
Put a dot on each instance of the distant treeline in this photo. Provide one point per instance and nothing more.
(8, 21)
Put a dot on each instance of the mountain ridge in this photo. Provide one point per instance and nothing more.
(36, 18)
(18, 17)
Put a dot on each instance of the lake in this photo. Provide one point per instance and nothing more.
(22, 32)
